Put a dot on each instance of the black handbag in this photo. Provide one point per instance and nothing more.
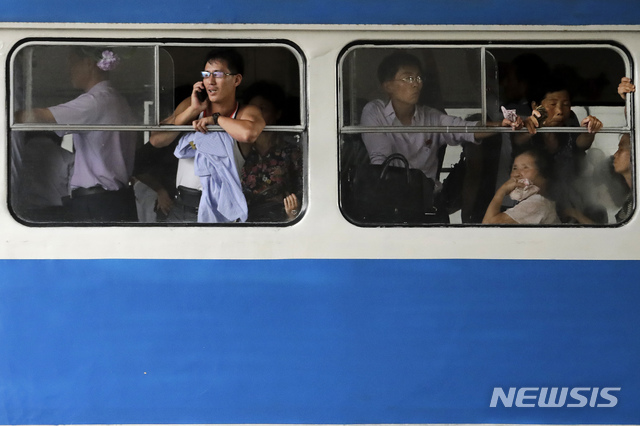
(386, 194)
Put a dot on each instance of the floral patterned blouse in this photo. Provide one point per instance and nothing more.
(272, 177)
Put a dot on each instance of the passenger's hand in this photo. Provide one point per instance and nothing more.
(164, 202)
(531, 122)
(515, 125)
(592, 124)
(625, 87)
(510, 185)
(200, 125)
(291, 206)
(198, 87)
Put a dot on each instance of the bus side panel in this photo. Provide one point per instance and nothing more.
(432, 12)
(317, 341)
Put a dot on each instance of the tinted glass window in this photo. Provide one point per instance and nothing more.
(83, 113)
(423, 139)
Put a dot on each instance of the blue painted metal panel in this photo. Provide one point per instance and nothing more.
(313, 341)
(517, 12)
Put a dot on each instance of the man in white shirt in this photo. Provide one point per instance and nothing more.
(221, 76)
(400, 75)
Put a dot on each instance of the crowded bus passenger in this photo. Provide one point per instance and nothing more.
(40, 172)
(622, 157)
(155, 174)
(528, 186)
(155, 177)
(518, 78)
(401, 77)
(621, 167)
(208, 181)
(272, 173)
(103, 162)
(551, 105)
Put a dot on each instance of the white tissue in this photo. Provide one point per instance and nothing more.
(520, 194)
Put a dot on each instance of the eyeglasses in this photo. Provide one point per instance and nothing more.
(411, 79)
(214, 74)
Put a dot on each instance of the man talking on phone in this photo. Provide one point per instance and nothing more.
(204, 190)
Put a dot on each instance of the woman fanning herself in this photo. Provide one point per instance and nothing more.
(527, 185)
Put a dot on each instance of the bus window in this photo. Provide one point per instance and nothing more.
(424, 140)
(83, 114)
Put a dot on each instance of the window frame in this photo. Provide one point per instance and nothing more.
(299, 131)
(345, 129)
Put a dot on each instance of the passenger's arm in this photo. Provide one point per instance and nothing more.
(245, 128)
(625, 86)
(593, 125)
(379, 145)
(531, 123)
(36, 115)
(515, 125)
(187, 111)
(493, 214)
(182, 116)
(164, 201)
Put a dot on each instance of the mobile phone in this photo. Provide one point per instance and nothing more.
(202, 95)
(543, 114)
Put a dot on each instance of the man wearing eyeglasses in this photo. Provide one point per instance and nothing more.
(400, 75)
(401, 78)
(205, 191)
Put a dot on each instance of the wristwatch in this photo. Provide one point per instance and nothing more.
(215, 118)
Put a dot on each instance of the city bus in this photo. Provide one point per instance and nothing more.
(330, 317)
